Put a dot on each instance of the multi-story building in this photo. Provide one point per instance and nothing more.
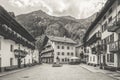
(58, 49)
(16, 44)
(102, 37)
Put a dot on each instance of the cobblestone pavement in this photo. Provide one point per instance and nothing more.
(66, 72)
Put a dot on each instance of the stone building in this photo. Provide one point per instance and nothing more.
(58, 49)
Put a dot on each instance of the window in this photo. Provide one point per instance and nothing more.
(104, 41)
(62, 53)
(104, 26)
(110, 19)
(71, 60)
(11, 61)
(0, 43)
(72, 53)
(107, 40)
(68, 53)
(58, 47)
(110, 11)
(112, 38)
(119, 36)
(58, 53)
(11, 48)
(104, 17)
(68, 47)
(62, 60)
(118, 13)
(110, 57)
(68, 60)
(62, 47)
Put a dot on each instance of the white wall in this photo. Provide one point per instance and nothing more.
(65, 50)
(6, 54)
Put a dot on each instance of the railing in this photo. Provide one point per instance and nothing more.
(47, 50)
(20, 53)
(114, 24)
(10, 34)
(114, 47)
(94, 38)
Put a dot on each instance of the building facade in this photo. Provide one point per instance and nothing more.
(16, 44)
(58, 49)
(80, 52)
(105, 49)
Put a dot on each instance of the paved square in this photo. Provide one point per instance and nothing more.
(47, 72)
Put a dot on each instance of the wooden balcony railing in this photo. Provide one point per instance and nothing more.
(114, 24)
(10, 34)
(20, 53)
(47, 50)
(94, 38)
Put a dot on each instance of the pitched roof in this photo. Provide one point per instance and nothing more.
(13, 24)
(61, 39)
(108, 4)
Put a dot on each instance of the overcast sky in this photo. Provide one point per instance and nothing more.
(75, 8)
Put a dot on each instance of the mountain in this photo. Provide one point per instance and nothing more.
(39, 23)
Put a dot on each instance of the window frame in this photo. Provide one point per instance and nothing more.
(11, 48)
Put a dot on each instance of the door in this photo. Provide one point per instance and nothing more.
(19, 63)
(118, 58)
(104, 60)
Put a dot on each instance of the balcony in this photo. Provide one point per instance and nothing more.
(94, 38)
(10, 34)
(47, 50)
(94, 50)
(114, 47)
(48, 55)
(114, 25)
(20, 53)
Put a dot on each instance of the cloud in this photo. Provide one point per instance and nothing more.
(75, 8)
